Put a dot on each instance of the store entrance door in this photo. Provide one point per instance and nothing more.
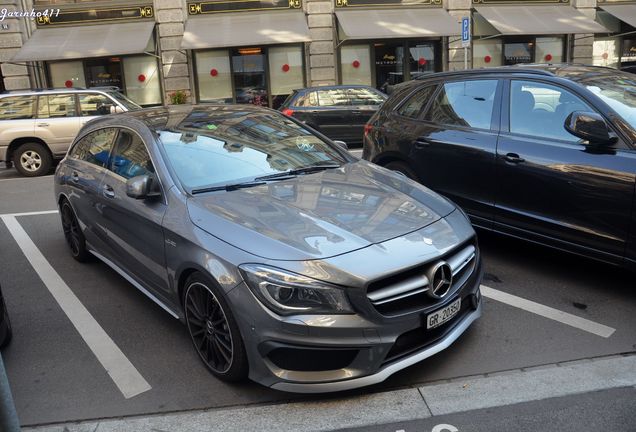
(250, 82)
(104, 72)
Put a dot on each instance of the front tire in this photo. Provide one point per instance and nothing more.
(32, 160)
(73, 233)
(213, 329)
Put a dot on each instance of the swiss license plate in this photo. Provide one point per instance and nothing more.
(440, 316)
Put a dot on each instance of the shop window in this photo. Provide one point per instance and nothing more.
(214, 76)
(487, 53)
(55, 106)
(285, 72)
(629, 51)
(421, 59)
(104, 72)
(67, 74)
(606, 52)
(518, 52)
(250, 85)
(355, 64)
(389, 64)
(549, 50)
(465, 103)
(142, 80)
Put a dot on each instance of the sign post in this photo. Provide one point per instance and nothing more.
(466, 36)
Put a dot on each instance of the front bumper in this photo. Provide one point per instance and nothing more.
(327, 353)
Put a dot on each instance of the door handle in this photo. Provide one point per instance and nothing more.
(43, 125)
(75, 177)
(421, 143)
(108, 191)
(513, 158)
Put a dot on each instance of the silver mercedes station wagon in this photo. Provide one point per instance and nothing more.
(289, 260)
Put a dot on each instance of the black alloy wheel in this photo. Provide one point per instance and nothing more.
(213, 330)
(73, 233)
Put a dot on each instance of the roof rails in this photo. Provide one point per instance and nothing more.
(45, 89)
(492, 70)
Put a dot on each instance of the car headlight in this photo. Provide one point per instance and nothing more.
(288, 293)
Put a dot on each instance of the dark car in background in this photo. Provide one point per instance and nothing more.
(290, 261)
(339, 112)
(545, 152)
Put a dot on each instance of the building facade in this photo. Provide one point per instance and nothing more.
(257, 51)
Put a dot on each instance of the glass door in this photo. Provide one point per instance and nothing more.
(103, 72)
(389, 64)
(249, 75)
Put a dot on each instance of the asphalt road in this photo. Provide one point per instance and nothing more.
(55, 377)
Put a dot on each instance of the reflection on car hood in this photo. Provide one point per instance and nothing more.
(319, 215)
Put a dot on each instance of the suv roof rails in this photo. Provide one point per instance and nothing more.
(493, 70)
(43, 89)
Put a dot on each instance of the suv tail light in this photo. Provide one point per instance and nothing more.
(288, 112)
(367, 128)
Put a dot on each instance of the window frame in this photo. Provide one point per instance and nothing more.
(496, 116)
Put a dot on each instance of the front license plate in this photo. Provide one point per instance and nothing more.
(439, 317)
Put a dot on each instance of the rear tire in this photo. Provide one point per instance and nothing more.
(402, 168)
(32, 159)
(73, 233)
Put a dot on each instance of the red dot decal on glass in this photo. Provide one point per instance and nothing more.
(68, 83)
(548, 57)
(487, 59)
(422, 61)
(141, 78)
(356, 64)
(285, 67)
(214, 72)
(605, 56)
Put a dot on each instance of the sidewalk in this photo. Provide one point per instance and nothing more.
(458, 395)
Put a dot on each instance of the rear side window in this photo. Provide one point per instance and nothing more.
(95, 147)
(464, 103)
(17, 107)
(131, 158)
(333, 97)
(413, 107)
(363, 96)
(95, 104)
(56, 106)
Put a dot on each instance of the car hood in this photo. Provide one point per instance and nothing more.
(319, 215)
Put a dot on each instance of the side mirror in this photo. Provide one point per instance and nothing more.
(591, 127)
(114, 109)
(343, 145)
(142, 187)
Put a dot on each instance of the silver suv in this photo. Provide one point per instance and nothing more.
(37, 126)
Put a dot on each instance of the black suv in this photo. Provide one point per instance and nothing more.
(546, 153)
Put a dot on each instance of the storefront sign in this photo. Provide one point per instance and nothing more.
(388, 3)
(210, 7)
(83, 16)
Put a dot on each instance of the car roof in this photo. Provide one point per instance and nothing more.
(335, 87)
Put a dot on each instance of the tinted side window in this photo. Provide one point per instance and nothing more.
(416, 103)
(363, 96)
(541, 109)
(334, 97)
(94, 104)
(131, 158)
(465, 103)
(95, 147)
(55, 106)
(17, 107)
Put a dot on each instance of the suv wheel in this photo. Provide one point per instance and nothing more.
(32, 159)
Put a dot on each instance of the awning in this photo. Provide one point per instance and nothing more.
(519, 20)
(74, 42)
(625, 13)
(241, 29)
(397, 23)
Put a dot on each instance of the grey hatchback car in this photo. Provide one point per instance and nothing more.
(290, 261)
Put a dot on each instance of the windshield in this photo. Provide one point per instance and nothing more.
(618, 91)
(224, 147)
(122, 99)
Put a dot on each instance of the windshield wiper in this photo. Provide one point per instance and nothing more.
(298, 171)
(228, 187)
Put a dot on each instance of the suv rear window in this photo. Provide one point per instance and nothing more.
(17, 107)
(414, 106)
(464, 103)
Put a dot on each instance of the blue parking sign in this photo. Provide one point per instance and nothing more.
(465, 31)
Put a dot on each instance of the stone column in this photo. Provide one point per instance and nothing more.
(171, 16)
(12, 34)
(583, 44)
(322, 53)
(457, 9)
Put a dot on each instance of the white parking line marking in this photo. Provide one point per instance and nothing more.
(121, 370)
(548, 312)
(30, 213)
(26, 178)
